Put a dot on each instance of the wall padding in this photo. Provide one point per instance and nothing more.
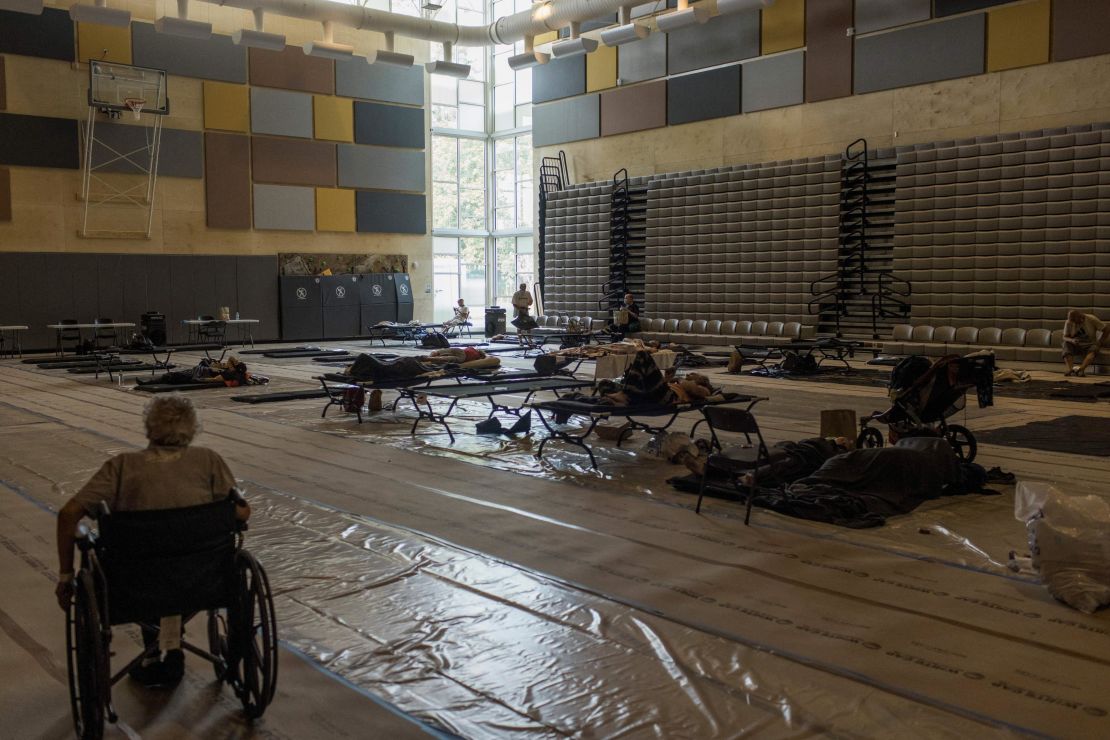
(227, 180)
(292, 161)
(704, 95)
(180, 154)
(227, 107)
(399, 213)
(784, 26)
(920, 54)
(389, 125)
(634, 108)
(566, 120)
(335, 209)
(292, 69)
(3, 87)
(726, 38)
(1018, 35)
(106, 43)
(5, 194)
(1080, 28)
(559, 78)
(281, 112)
(601, 68)
(828, 50)
(641, 60)
(215, 58)
(357, 79)
(49, 35)
(773, 82)
(35, 141)
(952, 7)
(875, 15)
(284, 208)
(380, 168)
(333, 118)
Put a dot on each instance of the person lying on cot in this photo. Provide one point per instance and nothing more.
(169, 474)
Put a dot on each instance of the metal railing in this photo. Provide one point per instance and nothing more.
(888, 294)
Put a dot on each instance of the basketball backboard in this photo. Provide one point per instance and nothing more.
(121, 87)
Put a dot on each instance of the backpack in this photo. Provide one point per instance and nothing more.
(434, 340)
(353, 400)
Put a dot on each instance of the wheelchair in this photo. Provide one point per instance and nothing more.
(144, 565)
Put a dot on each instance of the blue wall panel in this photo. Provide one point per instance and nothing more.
(703, 95)
(566, 120)
(641, 60)
(181, 153)
(379, 168)
(215, 58)
(391, 213)
(875, 15)
(724, 39)
(920, 54)
(357, 79)
(559, 78)
(951, 7)
(49, 35)
(389, 125)
(35, 141)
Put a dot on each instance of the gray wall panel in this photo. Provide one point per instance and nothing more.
(389, 125)
(284, 207)
(281, 112)
(357, 79)
(951, 7)
(559, 78)
(215, 58)
(641, 60)
(384, 169)
(703, 95)
(391, 213)
(566, 120)
(773, 82)
(257, 294)
(912, 56)
(181, 153)
(875, 15)
(726, 38)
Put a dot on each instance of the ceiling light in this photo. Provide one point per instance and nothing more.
(625, 34)
(448, 69)
(728, 7)
(100, 14)
(527, 59)
(329, 50)
(259, 39)
(573, 47)
(683, 18)
(383, 56)
(31, 7)
(183, 27)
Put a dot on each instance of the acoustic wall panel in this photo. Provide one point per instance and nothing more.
(215, 58)
(357, 79)
(1080, 28)
(292, 69)
(559, 78)
(35, 141)
(134, 270)
(180, 155)
(379, 168)
(10, 307)
(773, 82)
(292, 161)
(389, 125)
(3, 87)
(335, 209)
(106, 43)
(601, 69)
(703, 95)
(284, 208)
(566, 120)
(227, 107)
(952, 7)
(159, 276)
(49, 35)
(920, 54)
(5, 194)
(281, 113)
(227, 180)
(784, 26)
(634, 108)
(875, 15)
(107, 277)
(1018, 35)
(828, 50)
(400, 213)
(641, 60)
(726, 38)
(333, 118)
(256, 281)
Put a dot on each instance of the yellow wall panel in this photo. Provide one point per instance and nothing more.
(784, 26)
(227, 107)
(1018, 35)
(333, 118)
(93, 39)
(601, 68)
(543, 38)
(335, 209)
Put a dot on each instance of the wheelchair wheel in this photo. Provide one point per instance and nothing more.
(962, 441)
(869, 437)
(253, 637)
(87, 660)
(218, 645)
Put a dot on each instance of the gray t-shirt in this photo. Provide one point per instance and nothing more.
(158, 478)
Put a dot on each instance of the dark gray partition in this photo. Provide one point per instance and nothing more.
(11, 310)
(182, 306)
(401, 213)
(875, 15)
(389, 125)
(301, 308)
(84, 281)
(920, 54)
(134, 270)
(108, 271)
(37, 141)
(380, 168)
(224, 284)
(159, 279)
(257, 294)
(404, 296)
(46, 295)
(559, 78)
(378, 299)
(215, 58)
(642, 60)
(725, 38)
(704, 95)
(340, 296)
(357, 79)
(574, 119)
(49, 35)
(774, 82)
(180, 155)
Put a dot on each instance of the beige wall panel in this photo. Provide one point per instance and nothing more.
(1051, 89)
(186, 103)
(971, 101)
(761, 131)
(46, 87)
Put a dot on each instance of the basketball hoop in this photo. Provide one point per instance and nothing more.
(135, 105)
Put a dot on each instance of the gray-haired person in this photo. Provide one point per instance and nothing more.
(168, 474)
(1084, 336)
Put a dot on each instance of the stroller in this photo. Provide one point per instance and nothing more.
(923, 395)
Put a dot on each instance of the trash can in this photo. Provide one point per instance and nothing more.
(495, 321)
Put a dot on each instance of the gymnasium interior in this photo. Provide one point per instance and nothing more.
(593, 369)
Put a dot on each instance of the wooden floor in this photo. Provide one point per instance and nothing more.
(490, 594)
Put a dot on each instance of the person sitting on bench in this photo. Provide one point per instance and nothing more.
(461, 317)
(168, 474)
(1084, 335)
(627, 319)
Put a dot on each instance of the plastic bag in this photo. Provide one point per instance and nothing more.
(1069, 538)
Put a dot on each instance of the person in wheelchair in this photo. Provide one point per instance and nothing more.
(169, 474)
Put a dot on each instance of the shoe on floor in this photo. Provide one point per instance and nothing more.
(163, 674)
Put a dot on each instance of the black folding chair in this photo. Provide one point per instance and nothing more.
(212, 330)
(105, 333)
(68, 335)
(727, 461)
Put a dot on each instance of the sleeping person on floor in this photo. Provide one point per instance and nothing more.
(230, 372)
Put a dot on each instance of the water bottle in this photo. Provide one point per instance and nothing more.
(236, 315)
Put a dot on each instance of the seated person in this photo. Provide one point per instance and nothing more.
(522, 306)
(627, 319)
(168, 474)
(461, 317)
(1084, 335)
